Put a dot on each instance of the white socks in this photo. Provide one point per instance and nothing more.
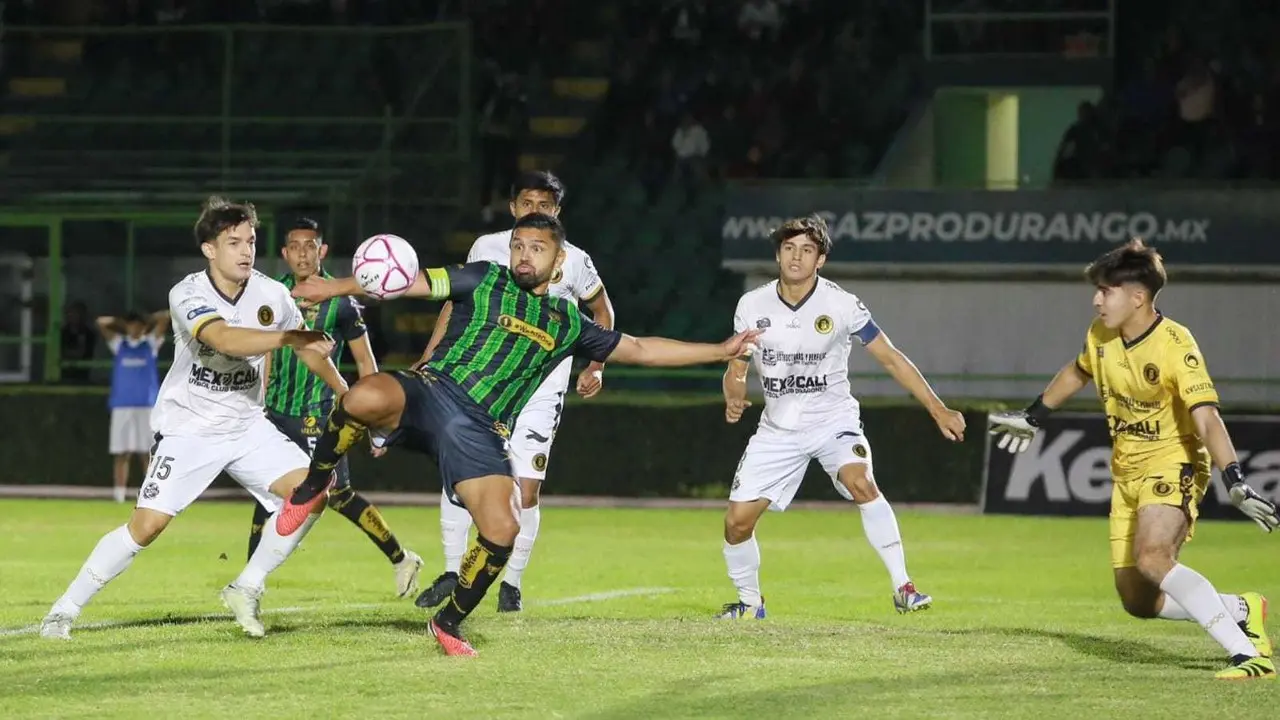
(743, 563)
(113, 553)
(272, 551)
(1193, 592)
(455, 528)
(881, 528)
(1235, 605)
(118, 492)
(530, 518)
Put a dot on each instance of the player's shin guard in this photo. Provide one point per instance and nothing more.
(341, 433)
(352, 506)
(880, 525)
(260, 515)
(271, 554)
(480, 567)
(530, 519)
(455, 526)
(743, 563)
(110, 557)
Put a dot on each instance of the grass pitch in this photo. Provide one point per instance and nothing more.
(617, 624)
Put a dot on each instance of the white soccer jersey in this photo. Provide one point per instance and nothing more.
(803, 355)
(576, 279)
(206, 392)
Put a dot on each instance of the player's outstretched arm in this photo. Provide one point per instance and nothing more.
(243, 342)
(734, 385)
(1018, 427)
(906, 374)
(665, 352)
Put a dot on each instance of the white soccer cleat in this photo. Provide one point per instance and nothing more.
(56, 626)
(407, 573)
(243, 603)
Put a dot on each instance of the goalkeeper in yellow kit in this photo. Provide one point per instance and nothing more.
(1162, 412)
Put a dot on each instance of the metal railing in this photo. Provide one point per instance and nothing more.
(1082, 28)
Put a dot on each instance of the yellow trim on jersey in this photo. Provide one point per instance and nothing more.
(438, 278)
(202, 323)
(1080, 366)
(594, 295)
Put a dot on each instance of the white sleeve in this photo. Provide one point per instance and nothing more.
(290, 315)
(192, 308)
(740, 316)
(114, 344)
(861, 325)
(484, 250)
(587, 284)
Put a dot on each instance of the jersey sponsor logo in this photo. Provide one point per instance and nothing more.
(519, 327)
(234, 381)
(197, 312)
(762, 323)
(1134, 404)
(1191, 361)
(794, 385)
(1141, 429)
(1151, 373)
(771, 357)
(1067, 470)
(823, 324)
(793, 323)
(266, 315)
(1204, 387)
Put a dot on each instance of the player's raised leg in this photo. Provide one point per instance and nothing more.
(455, 528)
(1160, 533)
(846, 456)
(181, 469)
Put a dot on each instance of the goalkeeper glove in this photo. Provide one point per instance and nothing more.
(1018, 427)
(1249, 502)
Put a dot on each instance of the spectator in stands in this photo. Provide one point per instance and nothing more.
(78, 341)
(1082, 146)
(691, 145)
(760, 20)
(135, 343)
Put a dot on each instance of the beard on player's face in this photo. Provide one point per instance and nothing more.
(529, 277)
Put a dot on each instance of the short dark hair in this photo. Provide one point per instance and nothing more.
(538, 221)
(306, 223)
(219, 214)
(541, 180)
(133, 317)
(811, 226)
(1133, 262)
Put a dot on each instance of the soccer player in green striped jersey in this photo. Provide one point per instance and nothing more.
(505, 336)
(298, 401)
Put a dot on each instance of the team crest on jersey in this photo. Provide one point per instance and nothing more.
(556, 276)
(823, 324)
(1191, 361)
(519, 327)
(860, 451)
(1162, 489)
(762, 323)
(1151, 373)
(540, 462)
(151, 490)
(266, 315)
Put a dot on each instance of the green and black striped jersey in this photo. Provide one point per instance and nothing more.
(294, 390)
(502, 340)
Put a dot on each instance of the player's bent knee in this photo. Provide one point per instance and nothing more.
(738, 527)
(374, 398)
(856, 477)
(1155, 562)
(146, 525)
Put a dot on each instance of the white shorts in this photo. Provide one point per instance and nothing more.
(775, 461)
(534, 432)
(131, 431)
(184, 466)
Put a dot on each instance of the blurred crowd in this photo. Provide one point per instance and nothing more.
(758, 88)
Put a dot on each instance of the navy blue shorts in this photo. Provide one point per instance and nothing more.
(304, 431)
(439, 419)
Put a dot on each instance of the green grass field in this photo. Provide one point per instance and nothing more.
(618, 624)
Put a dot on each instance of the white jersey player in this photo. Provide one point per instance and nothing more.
(802, 359)
(209, 415)
(535, 428)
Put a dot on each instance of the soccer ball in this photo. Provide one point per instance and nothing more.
(385, 266)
